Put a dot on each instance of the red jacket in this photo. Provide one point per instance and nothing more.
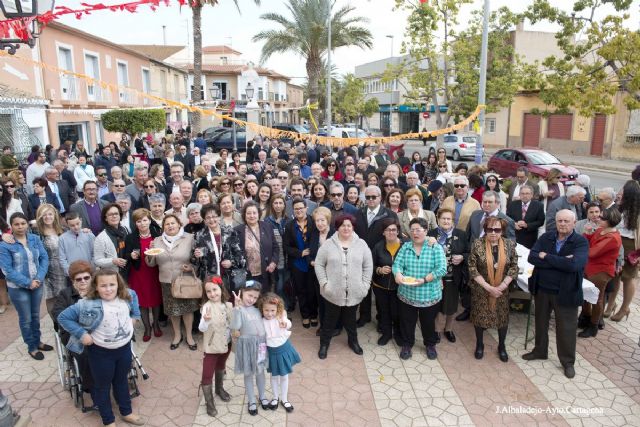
(477, 194)
(603, 252)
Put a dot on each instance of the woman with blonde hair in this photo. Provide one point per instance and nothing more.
(204, 197)
(49, 228)
(200, 181)
(551, 188)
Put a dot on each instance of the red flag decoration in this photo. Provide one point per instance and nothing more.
(423, 1)
(21, 26)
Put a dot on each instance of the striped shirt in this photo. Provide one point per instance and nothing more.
(430, 260)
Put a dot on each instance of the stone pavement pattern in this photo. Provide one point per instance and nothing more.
(377, 389)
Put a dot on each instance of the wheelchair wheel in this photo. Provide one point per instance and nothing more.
(133, 382)
(62, 363)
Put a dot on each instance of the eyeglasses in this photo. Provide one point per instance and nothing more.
(370, 197)
(113, 214)
(459, 185)
(225, 183)
(102, 174)
(119, 185)
(336, 194)
(295, 169)
(494, 230)
(211, 217)
(238, 184)
(441, 152)
(389, 185)
(9, 186)
(83, 279)
(283, 177)
(149, 186)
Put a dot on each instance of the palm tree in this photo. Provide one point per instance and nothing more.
(196, 8)
(306, 35)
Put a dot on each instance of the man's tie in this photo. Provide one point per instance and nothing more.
(524, 210)
(370, 216)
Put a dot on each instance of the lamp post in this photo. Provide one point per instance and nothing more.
(483, 80)
(23, 9)
(328, 113)
(389, 36)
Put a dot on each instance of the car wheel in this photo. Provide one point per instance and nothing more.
(456, 155)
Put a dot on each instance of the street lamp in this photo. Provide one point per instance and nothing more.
(23, 9)
(249, 91)
(389, 36)
(214, 91)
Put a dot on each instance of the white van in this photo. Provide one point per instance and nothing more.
(348, 133)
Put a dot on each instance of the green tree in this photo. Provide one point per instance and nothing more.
(601, 56)
(305, 33)
(443, 64)
(350, 104)
(196, 96)
(134, 121)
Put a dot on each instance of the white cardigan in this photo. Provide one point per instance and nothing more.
(82, 175)
(104, 252)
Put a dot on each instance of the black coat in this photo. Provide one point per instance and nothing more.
(372, 234)
(269, 251)
(66, 298)
(290, 244)
(34, 201)
(563, 270)
(534, 219)
(459, 246)
(207, 265)
(382, 258)
(132, 243)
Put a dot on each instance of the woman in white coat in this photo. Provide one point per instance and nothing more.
(109, 244)
(83, 172)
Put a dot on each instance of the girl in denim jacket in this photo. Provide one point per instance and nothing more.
(102, 324)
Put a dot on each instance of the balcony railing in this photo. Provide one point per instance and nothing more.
(97, 94)
(69, 88)
(126, 97)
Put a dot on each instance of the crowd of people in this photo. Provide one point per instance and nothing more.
(113, 235)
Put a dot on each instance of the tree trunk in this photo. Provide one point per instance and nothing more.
(313, 71)
(197, 65)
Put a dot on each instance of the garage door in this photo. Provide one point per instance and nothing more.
(597, 135)
(531, 130)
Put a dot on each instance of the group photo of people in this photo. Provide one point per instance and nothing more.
(227, 253)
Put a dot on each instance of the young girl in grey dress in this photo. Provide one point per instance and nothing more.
(251, 346)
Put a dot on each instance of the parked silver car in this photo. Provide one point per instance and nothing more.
(459, 145)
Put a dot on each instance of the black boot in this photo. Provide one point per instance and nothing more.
(220, 391)
(322, 353)
(590, 331)
(502, 349)
(479, 353)
(464, 316)
(584, 321)
(208, 398)
(355, 346)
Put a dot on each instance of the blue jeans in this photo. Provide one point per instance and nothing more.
(27, 304)
(110, 368)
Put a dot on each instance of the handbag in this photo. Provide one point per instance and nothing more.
(633, 257)
(186, 286)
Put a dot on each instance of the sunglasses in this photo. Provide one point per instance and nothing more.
(442, 167)
(149, 186)
(336, 194)
(494, 230)
(459, 185)
(238, 184)
(118, 185)
(370, 197)
(225, 183)
(491, 180)
(9, 186)
(102, 174)
(282, 177)
(389, 185)
(231, 173)
(83, 279)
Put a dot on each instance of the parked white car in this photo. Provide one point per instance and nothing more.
(458, 146)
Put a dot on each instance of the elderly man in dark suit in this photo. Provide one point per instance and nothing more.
(60, 189)
(369, 227)
(186, 158)
(490, 207)
(528, 215)
(90, 208)
(559, 258)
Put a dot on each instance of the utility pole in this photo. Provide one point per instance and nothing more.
(328, 113)
(392, 87)
(483, 80)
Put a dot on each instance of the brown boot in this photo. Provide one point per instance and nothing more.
(220, 391)
(208, 398)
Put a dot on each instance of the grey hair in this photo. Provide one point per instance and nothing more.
(336, 184)
(177, 164)
(375, 189)
(115, 168)
(575, 190)
(527, 186)
(583, 180)
(610, 192)
(413, 173)
(56, 162)
(491, 193)
(51, 169)
(461, 178)
(573, 214)
(157, 198)
(123, 196)
(193, 207)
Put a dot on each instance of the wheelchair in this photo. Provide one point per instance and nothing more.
(71, 380)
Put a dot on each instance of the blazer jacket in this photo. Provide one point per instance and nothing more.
(405, 220)
(269, 251)
(474, 229)
(470, 206)
(290, 243)
(66, 191)
(534, 219)
(372, 234)
(81, 208)
(170, 262)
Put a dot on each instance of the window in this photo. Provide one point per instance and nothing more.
(224, 60)
(222, 93)
(92, 69)
(123, 81)
(68, 84)
(176, 87)
(490, 125)
(505, 155)
(261, 94)
(146, 84)
(559, 126)
(163, 83)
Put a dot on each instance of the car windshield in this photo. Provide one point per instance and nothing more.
(361, 134)
(299, 129)
(542, 158)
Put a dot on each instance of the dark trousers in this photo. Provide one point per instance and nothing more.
(212, 362)
(387, 304)
(85, 371)
(365, 307)
(334, 313)
(595, 311)
(409, 316)
(566, 328)
(305, 286)
(110, 368)
(465, 296)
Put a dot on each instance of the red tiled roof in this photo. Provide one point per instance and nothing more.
(220, 49)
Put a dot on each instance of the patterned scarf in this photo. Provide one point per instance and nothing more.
(495, 270)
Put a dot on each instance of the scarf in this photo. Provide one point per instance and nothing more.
(443, 236)
(170, 241)
(495, 274)
(117, 236)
